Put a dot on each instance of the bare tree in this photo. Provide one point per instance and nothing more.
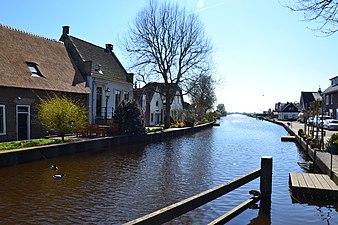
(324, 12)
(167, 44)
(202, 95)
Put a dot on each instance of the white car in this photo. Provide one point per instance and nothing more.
(330, 124)
(318, 120)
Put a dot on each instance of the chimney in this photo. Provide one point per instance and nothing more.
(109, 47)
(65, 30)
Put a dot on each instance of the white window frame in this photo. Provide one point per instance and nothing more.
(3, 108)
(28, 121)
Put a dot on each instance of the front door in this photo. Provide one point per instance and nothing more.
(23, 123)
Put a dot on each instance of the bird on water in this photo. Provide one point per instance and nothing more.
(58, 176)
(54, 167)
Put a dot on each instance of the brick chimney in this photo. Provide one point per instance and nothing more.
(109, 47)
(65, 30)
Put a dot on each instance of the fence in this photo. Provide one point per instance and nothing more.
(170, 212)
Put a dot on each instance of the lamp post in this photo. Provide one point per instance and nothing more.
(321, 119)
(107, 93)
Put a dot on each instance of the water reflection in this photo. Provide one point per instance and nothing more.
(113, 186)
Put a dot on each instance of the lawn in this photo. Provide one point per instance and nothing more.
(27, 144)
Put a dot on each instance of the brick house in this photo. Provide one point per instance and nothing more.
(331, 99)
(105, 75)
(32, 67)
(152, 103)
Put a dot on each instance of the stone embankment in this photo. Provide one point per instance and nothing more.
(17, 156)
(322, 159)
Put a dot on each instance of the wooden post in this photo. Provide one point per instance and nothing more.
(266, 184)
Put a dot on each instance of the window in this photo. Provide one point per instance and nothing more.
(331, 99)
(99, 101)
(117, 98)
(126, 95)
(2, 120)
(327, 100)
(33, 68)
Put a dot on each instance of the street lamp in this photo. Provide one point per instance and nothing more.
(107, 93)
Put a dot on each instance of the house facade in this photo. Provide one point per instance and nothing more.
(106, 77)
(287, 111)
(307, 98)
(32, 68)
(152, 102)
(331, 99)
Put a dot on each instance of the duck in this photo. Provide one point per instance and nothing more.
(254, 193)
(58, 176)
(54, 167)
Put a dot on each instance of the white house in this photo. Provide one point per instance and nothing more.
(287, 111)
(152, 103)
(106, 77)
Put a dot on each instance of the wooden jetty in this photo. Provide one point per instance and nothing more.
(311, 185)
(288, 138)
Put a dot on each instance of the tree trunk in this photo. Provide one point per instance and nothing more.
(167, 112)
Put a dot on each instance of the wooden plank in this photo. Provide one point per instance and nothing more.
(293, 179)
(315, 181)
(327, 179)
(308, 180)
(235, 211)
(323, 182)
(177, 209)
(301, 180)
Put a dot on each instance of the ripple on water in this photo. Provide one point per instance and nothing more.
(120, 184)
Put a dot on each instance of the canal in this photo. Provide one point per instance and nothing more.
(114, 186)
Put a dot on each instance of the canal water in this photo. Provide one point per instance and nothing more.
(117, 185)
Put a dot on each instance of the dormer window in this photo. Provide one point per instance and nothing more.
(33, 68)
(98, 69)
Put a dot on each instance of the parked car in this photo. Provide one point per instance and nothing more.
(330, 124)
(309, 121)
(318, 120)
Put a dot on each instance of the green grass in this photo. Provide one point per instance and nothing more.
(27, 144)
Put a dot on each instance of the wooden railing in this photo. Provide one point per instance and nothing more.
(170, 212)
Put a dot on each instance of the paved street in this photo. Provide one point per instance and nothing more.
(323, 157)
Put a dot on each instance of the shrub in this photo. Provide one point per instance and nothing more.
(333, 141)
(130, 119)
(189, 121)
(62, 115)
(300, 132)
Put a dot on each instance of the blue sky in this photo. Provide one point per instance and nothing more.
(264, 52)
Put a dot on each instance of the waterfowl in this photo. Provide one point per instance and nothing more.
(254, 193)
(54, 167)
(58, 176)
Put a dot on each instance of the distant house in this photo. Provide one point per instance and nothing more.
(287, 111)
(331, 98)
(152, 102)
(306, 98)
(32, 67)
(108, 80)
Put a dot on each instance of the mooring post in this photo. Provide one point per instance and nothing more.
(266, 184)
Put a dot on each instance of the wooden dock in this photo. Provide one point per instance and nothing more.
(288, 138)
(311, 185)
